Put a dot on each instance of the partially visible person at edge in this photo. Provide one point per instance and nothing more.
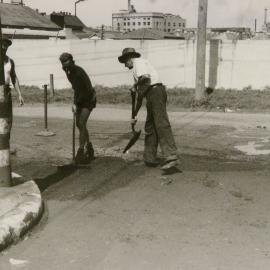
(10, 76)
(157, 126)
(84, 103)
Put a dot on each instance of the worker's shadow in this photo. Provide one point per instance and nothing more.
(61, 173)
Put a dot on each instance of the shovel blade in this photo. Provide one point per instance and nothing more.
(133, 140)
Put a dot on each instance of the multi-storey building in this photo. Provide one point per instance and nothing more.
(130, 20)
(173, 23)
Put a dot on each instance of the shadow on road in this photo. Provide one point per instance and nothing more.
(104, 175)
(61, 173)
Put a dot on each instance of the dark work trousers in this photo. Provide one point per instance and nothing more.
(158, 130)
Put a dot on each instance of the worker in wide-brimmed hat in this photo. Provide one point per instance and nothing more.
(10, 77)
(83, 104)
(157, 126)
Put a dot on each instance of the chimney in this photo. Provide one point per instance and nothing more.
(129, 5)
(265, 16)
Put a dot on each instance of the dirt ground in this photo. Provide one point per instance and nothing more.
(122, 215)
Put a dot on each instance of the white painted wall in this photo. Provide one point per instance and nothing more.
(240, 64)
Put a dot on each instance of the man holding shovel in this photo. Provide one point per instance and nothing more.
(157, 126)
(84, 103)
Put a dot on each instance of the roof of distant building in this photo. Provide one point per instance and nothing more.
(231, 29)
(149, 34)
(69, 20)
(85, 33)
(18, 16)
(90, 33)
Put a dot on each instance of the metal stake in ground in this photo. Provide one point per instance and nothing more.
(52, 84)
(5, 115)
(46, 132)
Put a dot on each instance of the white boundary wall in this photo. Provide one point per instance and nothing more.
(239, 64)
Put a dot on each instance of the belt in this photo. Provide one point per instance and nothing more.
(156, 84)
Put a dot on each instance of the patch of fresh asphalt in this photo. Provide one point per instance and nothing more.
(103, 176)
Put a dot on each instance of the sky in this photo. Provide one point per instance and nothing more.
(221, 13)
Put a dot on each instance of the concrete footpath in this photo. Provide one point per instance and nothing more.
(20, 209)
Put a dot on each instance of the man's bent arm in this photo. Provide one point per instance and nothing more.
(18, 90)
(142, 86)
(15, 82)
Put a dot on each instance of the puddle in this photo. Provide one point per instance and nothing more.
(254, 148)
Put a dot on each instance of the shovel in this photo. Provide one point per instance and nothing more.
(136, 134)
(71, 166)
(73, 137)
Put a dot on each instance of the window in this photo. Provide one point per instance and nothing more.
(148, 23)
(144, 23)
(134, 23)
(180, 24)
(128, 23)
(169, 24)
(174, 24)
(124, 23)
(169, 30)
(139, 23)
(148, 18)
(124, 19)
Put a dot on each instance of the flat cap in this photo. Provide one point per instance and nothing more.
(65, 57)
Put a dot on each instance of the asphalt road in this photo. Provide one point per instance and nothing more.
(117, 214)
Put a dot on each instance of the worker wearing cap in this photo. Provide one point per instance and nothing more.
(10, 77)
(84, 103)
(157, 126)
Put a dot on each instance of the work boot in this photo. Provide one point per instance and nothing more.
(89, 153)
(171, 167)
(80, 157)
(152, 164)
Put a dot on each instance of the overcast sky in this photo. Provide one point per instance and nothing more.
(220, 12)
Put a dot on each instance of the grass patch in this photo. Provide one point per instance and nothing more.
(178, 98)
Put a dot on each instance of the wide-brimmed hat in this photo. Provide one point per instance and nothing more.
(128, 53)
(7, 41)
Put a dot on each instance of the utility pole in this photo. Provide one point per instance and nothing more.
(5, 117)
(201, 50)
(255, 26)
(102, 31)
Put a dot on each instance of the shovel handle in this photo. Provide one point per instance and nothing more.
(73, 136)
(133, 128)
(133, 102)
